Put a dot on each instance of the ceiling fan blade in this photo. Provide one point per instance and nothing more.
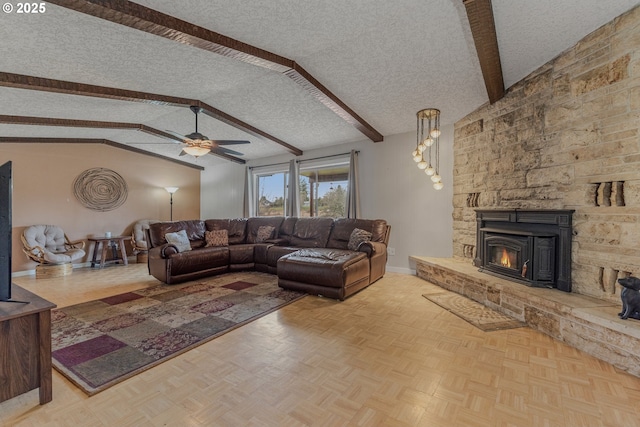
(230, 142)
(226, 151)
(177, 135)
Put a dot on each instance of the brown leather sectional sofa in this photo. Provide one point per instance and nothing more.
(307, 254)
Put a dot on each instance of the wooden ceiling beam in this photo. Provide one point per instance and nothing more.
(26, 140)
(47, 121)
(142, 18)
(483, 29)
(20, 81)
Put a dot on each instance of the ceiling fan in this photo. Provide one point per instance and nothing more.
(198, 144)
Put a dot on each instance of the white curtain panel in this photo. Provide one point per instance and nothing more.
(293, 189)
(249, 203)
(353, 190)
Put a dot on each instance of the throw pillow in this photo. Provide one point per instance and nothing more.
(179, 239)
(216, 238)
(265, 232)
(358, 236)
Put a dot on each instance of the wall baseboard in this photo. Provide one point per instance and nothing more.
(401, 270)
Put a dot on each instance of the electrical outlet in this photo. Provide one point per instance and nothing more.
(391, 251)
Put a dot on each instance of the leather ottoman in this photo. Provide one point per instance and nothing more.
(333, 273)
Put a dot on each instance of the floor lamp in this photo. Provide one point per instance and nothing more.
(171, 190)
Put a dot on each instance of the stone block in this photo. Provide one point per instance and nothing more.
(470, 129)
(537, 84)
(598, 232)
(493, 295)
(632, 193)
(542, 321)
(549, 176)
(561, 86)
(559, 115)
(604, 75)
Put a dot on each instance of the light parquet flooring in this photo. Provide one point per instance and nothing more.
(384, 357)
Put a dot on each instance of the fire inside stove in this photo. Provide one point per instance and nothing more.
(505, 257)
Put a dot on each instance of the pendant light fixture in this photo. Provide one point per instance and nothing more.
(427, 152)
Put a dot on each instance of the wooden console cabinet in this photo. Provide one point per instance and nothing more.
(25, 346)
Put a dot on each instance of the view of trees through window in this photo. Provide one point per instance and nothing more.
(323, 192)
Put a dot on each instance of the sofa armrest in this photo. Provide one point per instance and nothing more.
(168, 249)
(372, 248)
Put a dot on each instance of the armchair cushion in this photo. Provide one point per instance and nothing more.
(49, 244)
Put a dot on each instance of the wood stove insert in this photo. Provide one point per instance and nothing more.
(532, 247)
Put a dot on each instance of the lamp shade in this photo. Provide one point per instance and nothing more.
(196, 150)
(171, 189)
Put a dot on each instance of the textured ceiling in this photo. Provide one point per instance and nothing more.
(384, 59)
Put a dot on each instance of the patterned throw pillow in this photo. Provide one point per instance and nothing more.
(179, 239)
(265, 232)
(358, 236)
(216, 238)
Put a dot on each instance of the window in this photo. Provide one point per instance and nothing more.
(271, 191)
(323, 188)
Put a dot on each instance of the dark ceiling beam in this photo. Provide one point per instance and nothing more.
(151, 21)
(47, 121)
(20, 81)
(25, 140)
(225, 118)
(483, 29)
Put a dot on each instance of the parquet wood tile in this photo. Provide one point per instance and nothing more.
(385, 357)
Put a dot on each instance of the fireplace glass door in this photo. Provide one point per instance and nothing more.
(505, 257)
(505, 254)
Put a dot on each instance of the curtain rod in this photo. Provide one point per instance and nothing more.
(305, 160)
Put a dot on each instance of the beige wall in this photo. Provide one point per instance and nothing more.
(565, 137)
(43, 176)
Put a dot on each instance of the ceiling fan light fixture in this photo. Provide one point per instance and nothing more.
(196, 150)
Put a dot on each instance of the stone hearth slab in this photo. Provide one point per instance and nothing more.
(587, 323)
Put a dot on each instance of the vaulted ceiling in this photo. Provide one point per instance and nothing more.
(286, 75)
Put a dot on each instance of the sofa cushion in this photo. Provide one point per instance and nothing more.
(194, 228)
(216, 238)
(254, 223)
(358, 236)
(241, 254)
(236, 228)
(343, 227)
(179, 239)
(311, 232)
(287, 227)
(265, 232)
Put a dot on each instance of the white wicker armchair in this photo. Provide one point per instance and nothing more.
(48, 244)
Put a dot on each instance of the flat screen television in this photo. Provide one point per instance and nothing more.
(6, 190)
(5, 231)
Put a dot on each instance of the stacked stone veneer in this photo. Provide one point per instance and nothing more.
(565, 137)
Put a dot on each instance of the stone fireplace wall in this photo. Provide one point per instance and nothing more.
(565, 137)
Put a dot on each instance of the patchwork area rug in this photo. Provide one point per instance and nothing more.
(480, 316)
(100, 343)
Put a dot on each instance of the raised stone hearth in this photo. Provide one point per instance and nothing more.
(589, 324)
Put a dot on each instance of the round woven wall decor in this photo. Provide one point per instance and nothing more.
(100, 189)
